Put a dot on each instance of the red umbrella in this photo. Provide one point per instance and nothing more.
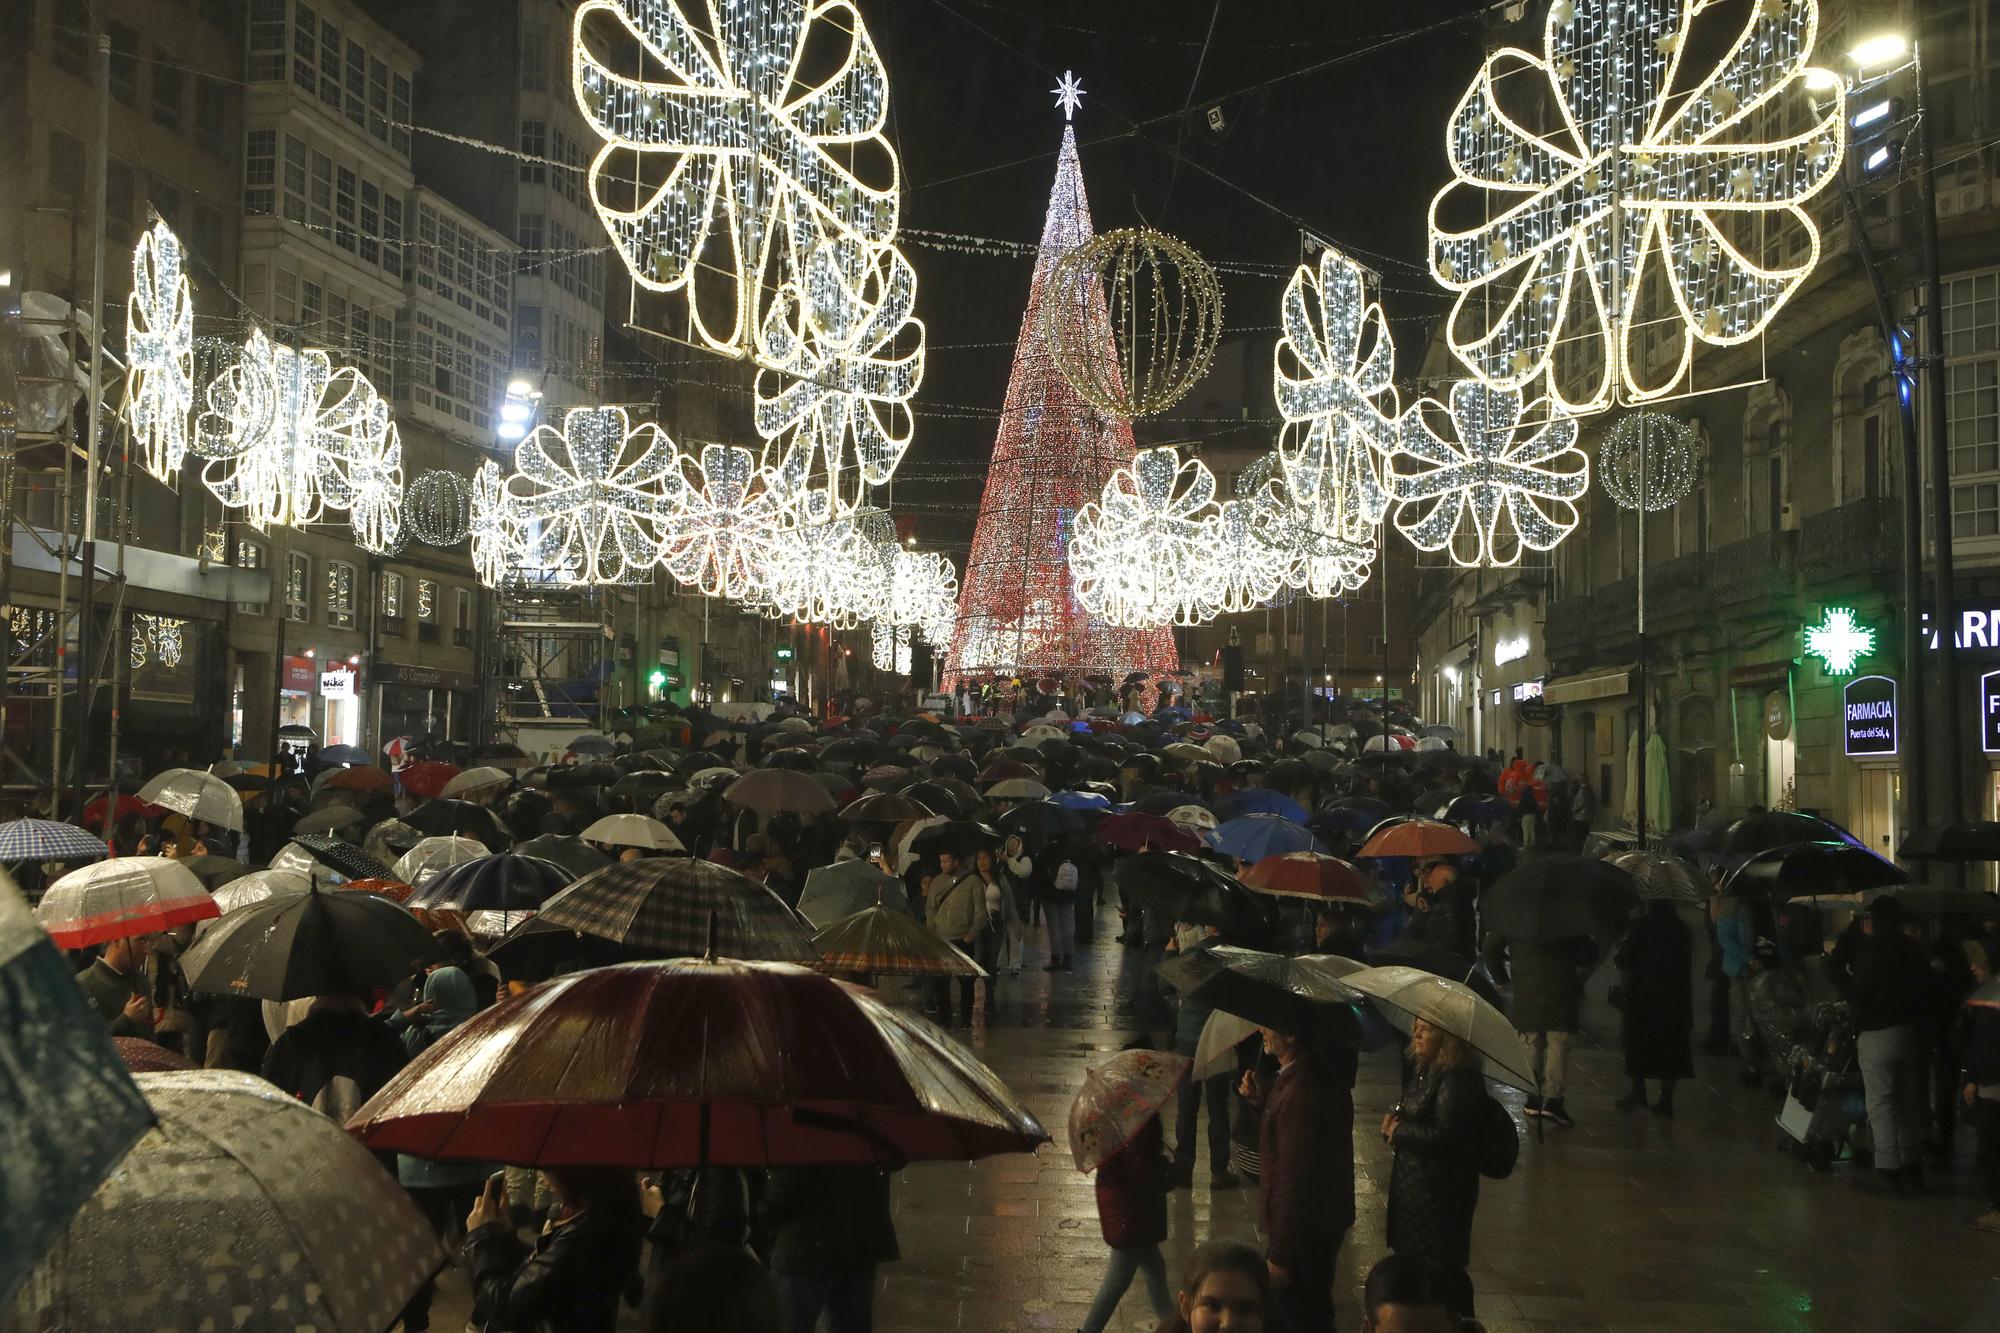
(427, 778)
(1308, 875)
(692, 1062)
(362, 778)
(93, 813)
(149, 1057)
(1418, 837)
(1135, 832)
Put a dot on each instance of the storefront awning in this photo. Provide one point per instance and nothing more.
(1604, 683)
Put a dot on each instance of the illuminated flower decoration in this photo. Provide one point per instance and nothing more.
(1496, 489)
(760, 133)
(1331, 377)
(1648, 211)
(590, 498)
(721, 540)
(494, 532)
(1135, 549)
(840, 392)
(159, 353)
(822, 569)
(373, 485)
(889, 648)
(1239, 570)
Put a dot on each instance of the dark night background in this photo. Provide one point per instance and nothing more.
(1334, 116)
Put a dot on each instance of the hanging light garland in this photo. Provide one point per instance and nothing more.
(1664, 450)
(1149, 297)
(159, 354)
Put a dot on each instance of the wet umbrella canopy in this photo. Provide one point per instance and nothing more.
(297, 944)
(1116, 1100)
(504, 883)
(885, 941)
(667, 907)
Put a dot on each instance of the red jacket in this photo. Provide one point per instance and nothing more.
(1132, 1191)
(1305, 1161)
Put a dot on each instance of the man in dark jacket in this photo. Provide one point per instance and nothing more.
(1887, 987)
(336, 1057)
(1306, 1166)
(827, 1228)
(1547, 978)
(1188, 1023)
(115, 981)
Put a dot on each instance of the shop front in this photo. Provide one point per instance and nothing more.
(298, 683)
(340, 704)
(425, 703)
(1871, 740)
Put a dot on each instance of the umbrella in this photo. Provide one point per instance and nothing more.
(771, 791)
(255, 887)
(133, 895)
(47, 840)
(1404, 994)
(571, 853)
(503, 883)
(242, 1200)
(297, 944)
(328, 819)
(1779, 828)
(296, 731)
(215, 871)
(884, 807)
(471, 780)
(1003, 769)
(1133, 831)
(1189, 889)
(429, 778)
(1987, 995)
(1040, 821)
(198, 795)
(674, 907)
(1354, 815)
(846, 887)
(446, 818)
(1807, 869)
(1017, 789)
(367, 778)
(1662, 875)
(1116, 1100)
(1309, 875)
(1261, 801)
(1552, 897)
(619, 1066)
(633, 831)
(1081, 800)
(416, 866)
(68, 1106)
(149, 1057)
(1930, 900)
(311, 851)
(592, 743)
(1254, 837)
(127, 806)
(1474, 808)
(1417, 837)
(1967, 840)
(1299, 996)
(1196, 819)
(962, 836)
(1221, 1034)
(885, 941)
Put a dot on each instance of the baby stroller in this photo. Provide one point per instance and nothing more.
(1780, 1014)
(1823, 1096)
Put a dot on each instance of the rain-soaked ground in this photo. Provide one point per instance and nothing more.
(1627, 1222)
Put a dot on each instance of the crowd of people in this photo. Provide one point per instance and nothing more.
(1032, 876)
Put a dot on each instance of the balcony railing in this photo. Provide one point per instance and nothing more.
(1860, 537)
(1756, 568)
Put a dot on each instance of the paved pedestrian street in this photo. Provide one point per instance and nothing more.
(1627, 1222)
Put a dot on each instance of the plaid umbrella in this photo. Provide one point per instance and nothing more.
(341, 857)
(47, 840)
(1117, 1099)
(670, 907)
(133, 895)
(883, 940)
(770, 791)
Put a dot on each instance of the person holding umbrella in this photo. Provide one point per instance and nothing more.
(956, 904)
(1434, 1133)
(1656, 966)
(1189, 1020)
(1114, 1130)
(1887, 987)
(1547, 977)
(1305, 1152)
(115, 981)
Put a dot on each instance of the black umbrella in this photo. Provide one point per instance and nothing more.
(1809, 869)
(342, 857)
(1298, 996)
(962, 836)
(1165, 802)
(444, 818)
(853, 750)
(938, 797)
(1930, 900)
(799, 761)
(1548, 898)
(958, 766)
(1967, 840)
(292, 945)
(1038, 821)
(504, 883)
(597, 773)
(216, 871)
(292, 731)
(1191, 889)
(573, 854)
(1779, 828)
(635, 793)
(535, 950)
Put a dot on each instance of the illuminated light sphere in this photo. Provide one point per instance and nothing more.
(438, 508)
(590, 499)
(1165, 317)
(159, 353)
(1839, 641)
(1507, 481)
(764, 137)
(491, 526)
(721, 540)
(848, 354)
(1664, 207)
(1137, 551)
(1664, 450)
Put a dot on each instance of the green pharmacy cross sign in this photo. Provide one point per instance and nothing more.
(1839, 641)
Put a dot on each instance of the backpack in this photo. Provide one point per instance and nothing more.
(1499, 1142)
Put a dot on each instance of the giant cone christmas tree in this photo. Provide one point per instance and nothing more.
(1017, 609)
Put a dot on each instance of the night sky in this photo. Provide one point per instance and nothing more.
(1351, 146)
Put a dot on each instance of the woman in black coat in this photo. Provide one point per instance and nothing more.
(584, 1261)
(1435, 1133)
(1656, 966)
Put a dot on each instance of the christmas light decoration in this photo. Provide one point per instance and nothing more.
(1655, 179)
(1451, 495)
(1238, 568)
(591, 498)
(1136, 551)
(372, 489)
(1662, 449)
(739, 160)
(819, 567)
(156, 639)
(438, 508)
(837, 402)
(1839, 641)
(722, 537)
(491, 526)
(1331, 376)
(889, 648)
(1153, 300)
(159, 353)
(1018, 611)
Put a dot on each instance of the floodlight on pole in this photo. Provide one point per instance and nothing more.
(1879, 51)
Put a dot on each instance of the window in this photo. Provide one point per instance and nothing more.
(166, 201)
(399, 115)
(297, 163)
(120, 192)
(378, 99)
(169, 89)
(1972, 401)
(250, 555)
(65, 167)
(260, 170)
(357, 83)
(320, 216)
(210, 114)
(305, 47)
(345, 208)
(535, 143)
(392, 234)
(392, 603)
(371, 222)
(461, 624)
(534, 60)
(340, 582)
(528, 337)
(330, 44)
(529, 234)
(1774, 462)
(266, 41)
(206, 234)
(298, 587)
(69, 43)
(125, 64)
(1875, 396)
(427, 611)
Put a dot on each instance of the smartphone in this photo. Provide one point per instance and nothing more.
(874, 851)
(496, 1186)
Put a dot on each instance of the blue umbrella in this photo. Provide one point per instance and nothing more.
(1256, 836)
(1260, 801)
(503, 883)
(1081, 800)
(68, 1106)
(46, 840)
(343, 754)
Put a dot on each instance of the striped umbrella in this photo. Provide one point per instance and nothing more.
(133, 895)
(47, 840)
